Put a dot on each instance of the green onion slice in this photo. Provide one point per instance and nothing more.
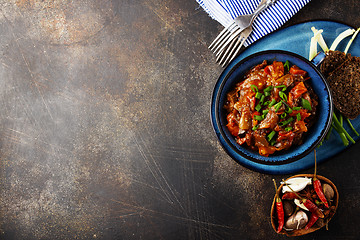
(289, 110)
(254, 88)
(287, 65)
(258, 107)
(286, 122)
(271, 135)
(298, 116)
(258, 95)
(272, 103)
(283, 96)
(288, 129)
(258, 117)
(277, 106)
(268, 89)
(262, 99)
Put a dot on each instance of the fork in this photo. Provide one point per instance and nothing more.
(228, 34)
(234, 47)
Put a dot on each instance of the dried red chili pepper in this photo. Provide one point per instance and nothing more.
(318, 188)
(279, 210)
(289, 195)
(312, 220)
(312, 207)
(308, 204)
(319, 192)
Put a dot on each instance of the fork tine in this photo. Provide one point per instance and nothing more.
(226, 39)
(231, 57)
(221, 47)
(222, 34)
(229, 50)
(223, 54)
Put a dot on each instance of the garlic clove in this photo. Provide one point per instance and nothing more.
(296, 184)
(297, 221)
(300, 204)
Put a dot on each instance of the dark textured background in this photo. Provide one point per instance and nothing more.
(105, 128)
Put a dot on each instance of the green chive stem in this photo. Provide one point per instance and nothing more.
(352, 127)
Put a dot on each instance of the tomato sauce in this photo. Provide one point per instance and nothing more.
(272, 108)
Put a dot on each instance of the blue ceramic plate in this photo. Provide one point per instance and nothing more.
(295, 39)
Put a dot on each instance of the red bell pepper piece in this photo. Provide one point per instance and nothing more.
(295, 70)
(232, 125)
(298, 90)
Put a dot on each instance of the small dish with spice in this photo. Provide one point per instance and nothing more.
(299, 209)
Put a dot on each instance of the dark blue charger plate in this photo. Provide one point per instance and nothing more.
(295, 39)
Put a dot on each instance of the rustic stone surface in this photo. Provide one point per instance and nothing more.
(105, 129)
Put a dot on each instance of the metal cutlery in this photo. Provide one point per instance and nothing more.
(230, 40)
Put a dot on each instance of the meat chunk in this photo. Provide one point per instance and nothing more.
(270, 120)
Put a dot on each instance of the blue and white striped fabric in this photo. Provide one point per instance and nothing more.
(224, 11)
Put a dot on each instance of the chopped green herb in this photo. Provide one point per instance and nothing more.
(286, 122)
(289, 110)
(298, 116)
(265, 111)
(283, 115)
(258, 95)
(283, 96)
(262, 99)
(258, 107)
(277, 106)
(281, 86)
(272, 103)
(268, 89)
(296, 108)
(266, 103)
(306, 104)
(288, 129)
(254, 88)
(352, 127)
(255, 127)
(272, 142)
(267, 94)
(271, 135)
(258, 117)
(287, 65)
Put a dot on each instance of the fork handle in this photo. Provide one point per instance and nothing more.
(262, 5)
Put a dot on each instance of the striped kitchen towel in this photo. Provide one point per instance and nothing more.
(224, 11)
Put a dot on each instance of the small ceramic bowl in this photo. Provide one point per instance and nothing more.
(329, 213)
(316, 132)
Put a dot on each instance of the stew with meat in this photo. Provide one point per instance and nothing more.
(272, 108)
